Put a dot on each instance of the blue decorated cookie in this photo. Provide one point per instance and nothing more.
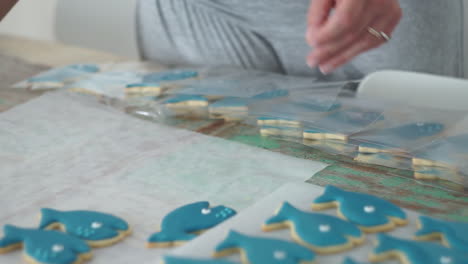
(372, 148)
(186, 100)
(414, 252)
(183, 224)
(97, 229)
(56, 78)
(451, 234)
(44, 246)
(229, 108)
(440, 174)
(384, 159)
(322, 134)
(322, 233)
(271, 95)
(170, 76)
(277, 121)
(331, 145)
(370, 213)
(143, 89)
(446, 153)
(257, 250)
(178, 260)
(281, 131)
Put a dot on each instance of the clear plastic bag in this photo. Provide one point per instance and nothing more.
(111, 84)
(353, 116)
(405, 129)
(58, 77)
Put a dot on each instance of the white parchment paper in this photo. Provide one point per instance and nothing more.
(69, 152)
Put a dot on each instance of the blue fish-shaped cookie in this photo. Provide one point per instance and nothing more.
(64, 73)
(414, 252)
(322, 233)
(452, 234)
(182, 224)
(179, 260)
(370, 213)
(45, 246)
(169, 76)
(97, 229)
(256, 250)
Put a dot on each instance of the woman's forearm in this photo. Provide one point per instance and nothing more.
(5, 7)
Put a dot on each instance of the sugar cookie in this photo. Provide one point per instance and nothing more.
(170, 76)
(45, 246)
(372, 214)
(57, 78)
(281, 131)
(229, 109)
(384, 159)
(183, 224)
(452, 234)
(143, 89)
(97, 229)
(187, 105)
(331, 145)
(257, 250)
(277, 121)
(322, 233)
(179, 260)
(414, 252)
(322, 134)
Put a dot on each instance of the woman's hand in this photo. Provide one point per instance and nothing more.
(339, 37)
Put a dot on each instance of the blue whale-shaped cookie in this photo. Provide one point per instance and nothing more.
(168, 76)
(45, 246)
(415, 252)
(257, 250)
(64, 73)
(322, 233)
(97, 229)
(182, 224)
(179, 260)
(371, 213)
(452, 234)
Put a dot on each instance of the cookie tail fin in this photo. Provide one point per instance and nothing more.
(165, 237)
(231, 241)
(329, 195)
(427, 226)
(13, 235)
(48, 216)
(385, 243)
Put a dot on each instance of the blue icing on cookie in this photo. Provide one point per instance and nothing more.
(365, 210)
(271, 95)
(321, 105)
(174, 75)
(86, 225)
(132, 85)
(178, 260)
(317, 231)
(416, 252)
(230, 102)
(265, 250)
(45, 246)
(185, 98)
(181, 224)
(415, 131)
(454, 234)
(63, 73)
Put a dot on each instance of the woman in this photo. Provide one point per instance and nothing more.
(269, 35)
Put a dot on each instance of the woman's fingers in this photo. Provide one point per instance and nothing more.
(340, 37)
(347, 19)
(365, 43)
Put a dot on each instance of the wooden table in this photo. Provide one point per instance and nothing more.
(393, 184)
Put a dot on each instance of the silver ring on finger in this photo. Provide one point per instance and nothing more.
(379, 34)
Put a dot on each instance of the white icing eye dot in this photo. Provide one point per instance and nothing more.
(445, 260)
(369, 209)
(96, 225)
(206, 211)
(279, 255)
(57, 248)
(420, 124)
(324, 228)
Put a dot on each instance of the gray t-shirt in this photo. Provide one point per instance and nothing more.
(270, 35)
